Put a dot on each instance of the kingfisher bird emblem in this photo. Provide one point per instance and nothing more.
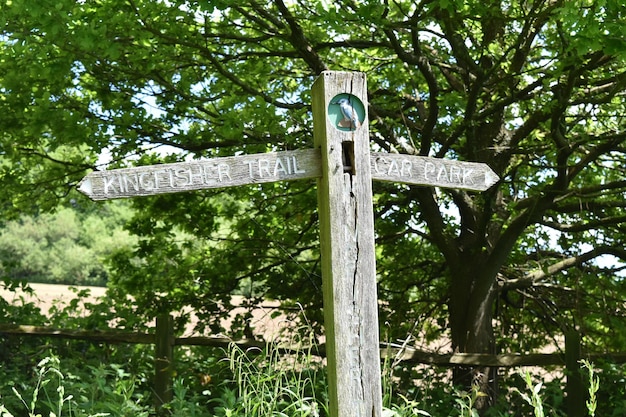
(350, 117)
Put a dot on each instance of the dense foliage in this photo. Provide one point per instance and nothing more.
(69, 246)
(46, 376)
(534, 89)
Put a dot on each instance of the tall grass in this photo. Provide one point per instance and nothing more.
(49, 375)
(265, 382)
(594, 386)
(533, 396)
(271, 382)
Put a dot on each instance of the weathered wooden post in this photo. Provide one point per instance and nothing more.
(347, 245)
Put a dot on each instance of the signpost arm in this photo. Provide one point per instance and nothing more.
(347, 250)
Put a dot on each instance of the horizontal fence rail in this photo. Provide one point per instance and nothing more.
(399, 353)
(164, 341)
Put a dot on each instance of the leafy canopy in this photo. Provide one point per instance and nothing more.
(534, 89)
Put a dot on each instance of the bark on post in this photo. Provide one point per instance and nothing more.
(347, 245)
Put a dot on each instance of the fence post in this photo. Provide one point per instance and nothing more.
(575, 387)
(163, 360)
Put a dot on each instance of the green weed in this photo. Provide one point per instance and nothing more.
(272, 383)
(49, 378)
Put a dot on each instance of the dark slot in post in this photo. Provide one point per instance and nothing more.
(348, 156)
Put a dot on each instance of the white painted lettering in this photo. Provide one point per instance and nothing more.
(182, 180)
(393, 168)
(210, 174)
(295, 166)
(467, 179)
(131, 180)
(429, 168)
(407, 166)
(264, 168)
(223, 171)
(146, 185)
(455, 174)
(250, 163)
(159, 176)
(442, 174)
(108, 183)
(376, 164)
(197, 176)
(279, 167)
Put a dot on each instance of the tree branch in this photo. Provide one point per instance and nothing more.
(418, 59)
(300, 42)
(534, 277)
(588, 225)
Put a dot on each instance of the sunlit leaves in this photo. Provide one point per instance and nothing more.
(65, 247)
(534, 89)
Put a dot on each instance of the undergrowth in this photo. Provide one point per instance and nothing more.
(264, 383)
(84, 379)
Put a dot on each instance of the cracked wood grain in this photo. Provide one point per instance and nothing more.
(348, 255)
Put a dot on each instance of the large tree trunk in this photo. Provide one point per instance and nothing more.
(474, 257)
(471, 320)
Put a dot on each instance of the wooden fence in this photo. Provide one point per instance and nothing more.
(165, 342)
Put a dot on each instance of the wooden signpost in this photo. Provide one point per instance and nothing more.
(348, 254)
(344, 168)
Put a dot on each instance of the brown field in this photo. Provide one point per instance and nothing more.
(47, 295)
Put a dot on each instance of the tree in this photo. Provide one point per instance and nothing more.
(67, 246)
(534, 89)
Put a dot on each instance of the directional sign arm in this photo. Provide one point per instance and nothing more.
(202, 174)
(434, 172)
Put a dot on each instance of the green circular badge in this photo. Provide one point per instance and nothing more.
(346, 112)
